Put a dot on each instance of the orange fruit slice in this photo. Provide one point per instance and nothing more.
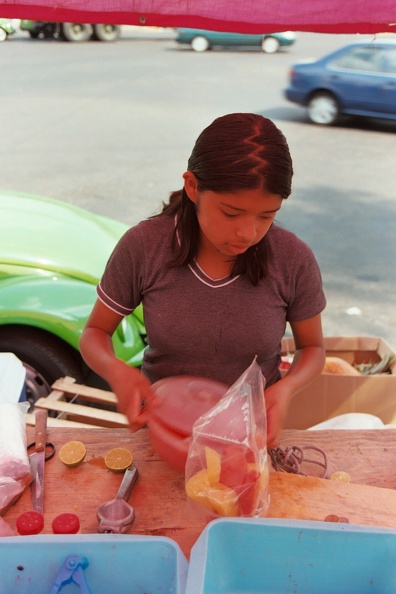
(72, 453)
(341, 476)
(118, 459)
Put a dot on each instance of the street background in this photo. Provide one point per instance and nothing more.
(110, 127)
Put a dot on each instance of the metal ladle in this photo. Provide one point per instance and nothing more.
(117, 515)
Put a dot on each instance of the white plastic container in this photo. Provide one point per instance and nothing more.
(12, 378)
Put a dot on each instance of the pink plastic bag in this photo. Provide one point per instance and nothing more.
(15, 473)
(227, 469)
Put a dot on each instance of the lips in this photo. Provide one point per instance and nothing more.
(238, 248)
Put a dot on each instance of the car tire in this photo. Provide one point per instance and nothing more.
(3, 34)
(34, 34)
(200, 44)
(106, 32)
(76, 31)
(270, 45)
(323, 109)
(44, 357)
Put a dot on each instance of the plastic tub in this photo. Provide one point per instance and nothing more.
(181, 400)
(266, 556)
(116, 564)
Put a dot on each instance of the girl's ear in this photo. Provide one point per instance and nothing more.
(191, 186)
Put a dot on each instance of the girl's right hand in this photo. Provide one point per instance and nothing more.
(133, 393)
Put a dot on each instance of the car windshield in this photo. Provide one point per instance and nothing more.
(368, 58)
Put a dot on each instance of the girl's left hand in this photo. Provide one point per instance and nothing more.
(277, 398)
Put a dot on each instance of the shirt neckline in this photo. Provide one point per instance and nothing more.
(207, 280)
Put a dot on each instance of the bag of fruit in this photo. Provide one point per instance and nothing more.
(227, 469)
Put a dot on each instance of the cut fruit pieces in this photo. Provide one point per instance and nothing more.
(72, 453)
(118, 459)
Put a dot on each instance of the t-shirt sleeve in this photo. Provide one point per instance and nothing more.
(307, 296)
(119, 287)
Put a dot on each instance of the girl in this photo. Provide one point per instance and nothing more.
(218, 279)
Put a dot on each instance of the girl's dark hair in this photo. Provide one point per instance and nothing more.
(238, 151)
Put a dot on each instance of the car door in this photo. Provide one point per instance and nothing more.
(389, 84)
(358, 76)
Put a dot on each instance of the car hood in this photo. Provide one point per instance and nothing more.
(50, 235)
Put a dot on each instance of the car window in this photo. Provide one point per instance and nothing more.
(390, 59)
(366, 59)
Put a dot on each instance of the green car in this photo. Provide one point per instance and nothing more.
(202, 40)
(52, 255)
(7, 27)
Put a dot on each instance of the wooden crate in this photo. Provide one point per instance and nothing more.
(64, 411)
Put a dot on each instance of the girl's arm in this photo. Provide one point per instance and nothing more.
(96, 346)
(308, 362)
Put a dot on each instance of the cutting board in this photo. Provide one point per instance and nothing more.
(306, 498)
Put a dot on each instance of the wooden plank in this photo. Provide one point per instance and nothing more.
(85, 413)
(56, 422)
(367, 455)
(78, 413)
(85, 392)
(308, 498)
(159, 496)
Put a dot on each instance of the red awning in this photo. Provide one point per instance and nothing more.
(245, 16)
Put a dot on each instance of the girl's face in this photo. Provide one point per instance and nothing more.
(232, 222)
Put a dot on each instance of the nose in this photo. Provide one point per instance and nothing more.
(246, 229)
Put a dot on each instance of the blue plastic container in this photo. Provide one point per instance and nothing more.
(117, 564)
(266, 556)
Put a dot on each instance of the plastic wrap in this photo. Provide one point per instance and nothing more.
(15, 473)
(227, 471)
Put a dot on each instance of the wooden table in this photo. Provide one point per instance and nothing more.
(159, 497)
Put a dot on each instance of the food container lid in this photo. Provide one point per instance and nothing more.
(183, 399)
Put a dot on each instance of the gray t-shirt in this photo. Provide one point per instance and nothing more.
(203, 327)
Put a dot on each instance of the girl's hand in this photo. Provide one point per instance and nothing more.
(133, 392)
(277, 398)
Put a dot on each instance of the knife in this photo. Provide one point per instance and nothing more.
(37, 461)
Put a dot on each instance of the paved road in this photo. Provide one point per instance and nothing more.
(110, 127)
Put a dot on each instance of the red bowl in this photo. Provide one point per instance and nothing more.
(180, 401)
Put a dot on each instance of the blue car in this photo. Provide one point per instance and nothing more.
(357, 80)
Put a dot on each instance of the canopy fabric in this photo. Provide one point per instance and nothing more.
(245, 16)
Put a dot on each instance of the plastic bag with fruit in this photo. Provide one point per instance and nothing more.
(227, 471)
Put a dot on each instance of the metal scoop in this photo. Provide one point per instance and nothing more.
(117, 515)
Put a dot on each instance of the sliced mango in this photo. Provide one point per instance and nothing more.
(224, 500)
(196, 488)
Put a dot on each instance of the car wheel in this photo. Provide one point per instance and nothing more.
(3, 34)
(34, 34)
(106, 32)
(76, 31)
(200, 44)
(323, 109)
(270, 45)
(44, 357)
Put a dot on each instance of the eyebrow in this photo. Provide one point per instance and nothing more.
(243, 210)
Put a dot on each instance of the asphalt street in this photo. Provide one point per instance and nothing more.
(109, 127)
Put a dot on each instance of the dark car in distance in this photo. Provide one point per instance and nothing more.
(201, 40)
(357, 80)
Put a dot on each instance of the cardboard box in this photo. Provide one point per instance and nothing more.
(331, 395)
(266, 556)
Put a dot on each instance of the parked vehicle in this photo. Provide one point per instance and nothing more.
(71, 31)
(51, 258)
(202, 40)
(358, 79)
(7, 27)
